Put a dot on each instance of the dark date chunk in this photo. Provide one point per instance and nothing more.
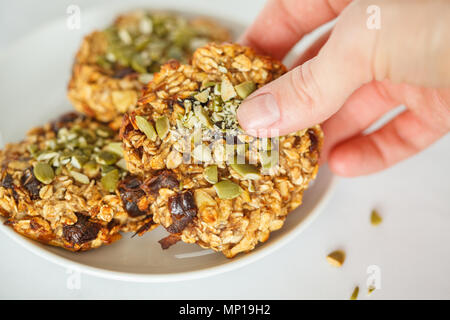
(164, 179)
(183, 209)
(64, 120)
(31, 184)
(130, 193)
(121, 73)
(8, 182)
(169, 241)
(313, 139)
(82, 231)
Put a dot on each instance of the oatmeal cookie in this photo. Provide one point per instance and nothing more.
(112, 65)
(207, 181)
(67, 185)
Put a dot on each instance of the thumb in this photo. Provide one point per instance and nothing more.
(354, 55)
(312, 92)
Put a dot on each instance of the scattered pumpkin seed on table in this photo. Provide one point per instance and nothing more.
(375, 218)
(355, 293)
(336, 258)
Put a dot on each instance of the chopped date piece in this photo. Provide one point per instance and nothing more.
(183, 210)
(164, 179)
(130, 193)
(64, 120)
(169, 241)
(113, 223)
(144, 228)
(31, 184)
(121, 73)
(314, 141)
(82, 231)
(8, 182)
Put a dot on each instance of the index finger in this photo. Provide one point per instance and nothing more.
(282, 23)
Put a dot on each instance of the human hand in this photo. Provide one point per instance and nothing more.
(352, 78)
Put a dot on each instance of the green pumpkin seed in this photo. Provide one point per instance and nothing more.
(115, 147)
(207, 84)
(202, 96)
(227, 189)
(122, 164)
(336, 258)
(246, 171)
(91, 169)
(79, 160)
(47, 155)
(355, 293)
(375, 218)
(202, 116)
(104, 132)
(110, 180)
(58, 171)
(267, 160)
(44, 172)
(244, 89)
(211, 174)
(146, 128)
(106, 158)
(162, 126)
(79, 177)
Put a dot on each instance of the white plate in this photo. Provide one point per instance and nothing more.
(35, 71)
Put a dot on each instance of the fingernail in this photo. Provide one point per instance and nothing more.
(259, 112)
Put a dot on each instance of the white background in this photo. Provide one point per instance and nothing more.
(411, 247)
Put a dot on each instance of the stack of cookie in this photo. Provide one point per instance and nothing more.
(157, 142)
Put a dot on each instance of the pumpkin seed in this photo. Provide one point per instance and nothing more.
(202, 96)
(336, 258)
(162, 126)
(244, 89)
(115, 147)
(104, 132)
(370, 290)
(47, 155)
(91, 168)
(246, 171)
(211, 174)
(106, 158)
(355, 293)
(110, 180)
(79, 177)
(44, 172)
(122, 164)
(375, 218)
(202, 116)
(227, 90)
(227, 189)
(267, 160)
(146, 128)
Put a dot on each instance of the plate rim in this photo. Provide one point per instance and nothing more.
(242, 261)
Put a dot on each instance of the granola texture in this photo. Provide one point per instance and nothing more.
(112, 65)
(67, 204)
(213, 200)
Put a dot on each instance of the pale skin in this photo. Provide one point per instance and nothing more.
(348, 79)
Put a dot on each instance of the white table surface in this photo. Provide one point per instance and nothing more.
(411, 247)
